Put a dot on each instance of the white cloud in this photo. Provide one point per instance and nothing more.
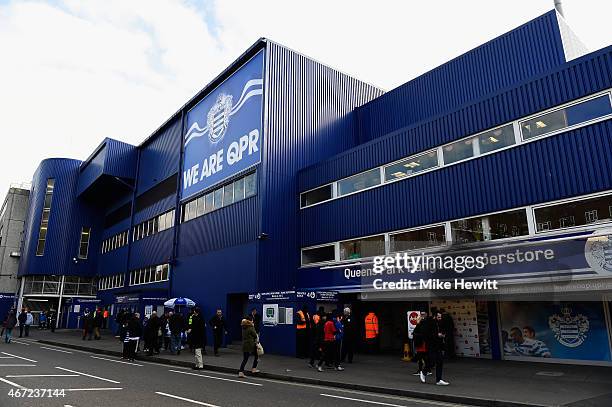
(74, 72)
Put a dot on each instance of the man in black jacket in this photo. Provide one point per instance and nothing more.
(350, 336)
(177, 326)
(23, 316)
(98, 321)
(218, 326)
(197, 333)
(434, 338)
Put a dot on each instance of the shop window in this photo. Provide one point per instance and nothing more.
(358, 182)
(318, 254)
(316, 195)
(359, 248)
(569, 116)
(418, 239)
(576, 213)
(491, 227)
(411, 166)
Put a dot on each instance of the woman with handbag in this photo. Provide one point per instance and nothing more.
(250, 342)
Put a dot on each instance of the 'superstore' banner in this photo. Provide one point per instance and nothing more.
(224, 130)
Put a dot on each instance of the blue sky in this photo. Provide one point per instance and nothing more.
(74, 72)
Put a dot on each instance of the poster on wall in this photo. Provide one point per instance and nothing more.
(270, 314)
(413, 317)
(464, 313)
(565, 330)
(224, 130)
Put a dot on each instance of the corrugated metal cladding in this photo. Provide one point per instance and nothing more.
(573, 163)
(158, 207)
(65, 221)
(233, 225)
(310, 117)
(581, 77)
(113, 262)
(93, 169)
(159, 157)
(152, 250)
(524, 52)
(120, 159)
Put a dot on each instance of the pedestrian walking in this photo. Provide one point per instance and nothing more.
(151, 334)
(256, 321)
(217, 323)
(197, 335)
(250, 339)
(52, 320)
(42, 320)
(330, 345)
(165, 330)
(434, 339)
(11, 321)
(88, 322)
(420, 347)
(28, 322)
(316, 339)
(176, 324)
(23, 316)
(447, 325)
(134, 333)
(350, 336)
(98, 321)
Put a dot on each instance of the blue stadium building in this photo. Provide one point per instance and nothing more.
(278, 184)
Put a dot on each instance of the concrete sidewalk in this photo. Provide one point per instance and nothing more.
(473, 381)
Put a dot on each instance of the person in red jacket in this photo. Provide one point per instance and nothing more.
(330, 345)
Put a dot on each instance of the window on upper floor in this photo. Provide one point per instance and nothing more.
(319, 254)
(364, 247)
(417, 239)
(84, 242)
(411, 166)
(566, 117)
(490, 227)
(358, 182)
(316, 195)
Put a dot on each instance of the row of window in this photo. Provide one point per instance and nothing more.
(151, 274)
(154, 225)
(549, 123)
(73, 285)
(502, 225)
(44, 219)
(115, 242)
(110, 282)
(225, 195)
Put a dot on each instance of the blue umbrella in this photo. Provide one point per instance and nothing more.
(180, 301)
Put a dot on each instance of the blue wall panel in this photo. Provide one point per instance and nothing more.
(152, 250)
(581, 77)
(93, 168)
(233, 225)
(524, 52)
(157, 208)
(113, 262)
(310, 118)
(573, 163)
(159, 157)
(120, 159)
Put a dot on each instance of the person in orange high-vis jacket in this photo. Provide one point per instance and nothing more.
(371, 330)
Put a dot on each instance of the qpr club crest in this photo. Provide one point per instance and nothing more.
(570, 330)
(598, 252)
(218, 116)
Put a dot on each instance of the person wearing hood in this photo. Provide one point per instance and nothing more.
(11, 321)
(249, 345)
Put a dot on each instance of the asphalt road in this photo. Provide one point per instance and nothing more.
(91, 380)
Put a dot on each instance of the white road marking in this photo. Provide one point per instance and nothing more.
(6, 357)
(57, 350)
(96, 389)
(201, 403)
(16, 365)
(116, 361)
(19, 357)
(19, 342)
(43, 375)
(217, 378)
(88, 375)
(11, 383)
(380, 403)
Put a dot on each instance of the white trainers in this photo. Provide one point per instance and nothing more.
(319, 369)
(442, 383)
(422, 377)
(255, 371)
(240, 374)
(339, 368)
